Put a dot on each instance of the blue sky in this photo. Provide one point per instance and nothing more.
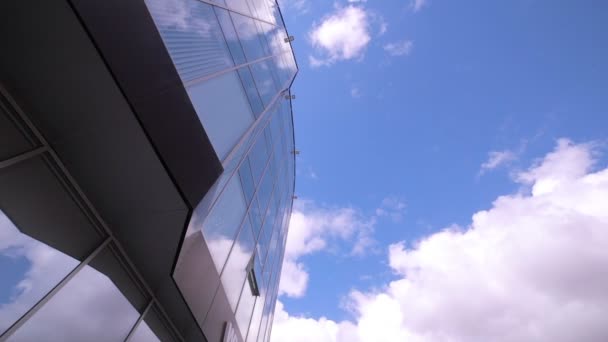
(414, 116)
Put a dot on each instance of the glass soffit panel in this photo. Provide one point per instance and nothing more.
(43, 235)
(153, 328)
(101, 303)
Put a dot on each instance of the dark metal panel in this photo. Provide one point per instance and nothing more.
(127, 39)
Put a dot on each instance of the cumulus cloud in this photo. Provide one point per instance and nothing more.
(529, 268)
(400, 48)
(342, 35)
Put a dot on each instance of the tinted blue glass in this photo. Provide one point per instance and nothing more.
(225, 120)
(264, 191)
(264, 81)
(264, 29)
(247, 180)
(256, 217)
(234, 45)
(223, 222)
(252, 91)
(238, 5)
(235, 271)
(247, 31)
(258, 157)
(192, 35)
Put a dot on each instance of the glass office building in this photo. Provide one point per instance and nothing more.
(147, 169)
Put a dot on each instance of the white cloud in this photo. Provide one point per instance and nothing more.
(400, 48)
(418, 4)
(530, 268)
(343, 35)
(299, 6)
(313, 229)
(496, 159)
(393, 207)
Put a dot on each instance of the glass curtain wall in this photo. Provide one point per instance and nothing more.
(237, 67)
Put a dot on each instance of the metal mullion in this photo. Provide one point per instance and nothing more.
(141, 318)
(23, 156)
(235, 11)
(21, 321)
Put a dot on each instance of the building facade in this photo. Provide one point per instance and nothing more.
(147, 169)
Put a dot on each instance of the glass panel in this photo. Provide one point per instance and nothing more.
(252, 91)
(258, 157)
(235, 272)
(256, 318)
(143, 333)
(43, 235)
(225, 119)
(153, 328)
(256, 217)
(90, 306)
(249, 36)
(247, 180)
(230, 35)
(29, 268)
(222, 224)
(238, 5)
(264, 81)
(192, 35)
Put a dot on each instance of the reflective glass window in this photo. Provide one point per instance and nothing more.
(264, 81)
(247, 31)
(192, 35)
(235, 271)
(256, 217)
(225, 218)
(238, 5)
(258, 157)
(29, 268)
(256, 319)
(37, 250)
(251, 90)
(100, 303)
(153, 328)
(234, 45)
(225, 119)
(247, 180)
